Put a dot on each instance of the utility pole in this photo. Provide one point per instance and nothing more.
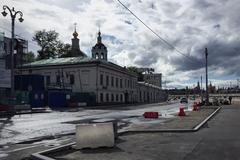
(207, 95)
(201, 90)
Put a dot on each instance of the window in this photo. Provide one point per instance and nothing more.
(58, 79)
(128, 84)
(48, 80)
(117, 97)
(112, 98)
(121, 97)
(72, 79)
(125, 83)
(121, 83)
(85, 77)
(140, 95)
(116, 82)
(101, 97)
(101, 79)
(112, 81)
(107, 97)
(107, 80)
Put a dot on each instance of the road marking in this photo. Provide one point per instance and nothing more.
(20, 149)
(37, 145)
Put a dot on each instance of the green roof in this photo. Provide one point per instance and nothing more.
(58, 61)
(69, 61)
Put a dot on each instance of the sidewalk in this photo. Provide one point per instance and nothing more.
(187, 122)
(152, 146)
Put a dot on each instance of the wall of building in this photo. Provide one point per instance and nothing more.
(148, 93)
(77, 78)
(111, 84)
(119, 88)
(115, 86)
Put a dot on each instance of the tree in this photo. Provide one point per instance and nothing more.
(49, 43)
(28, 57)
(136, 70)
(64, 50)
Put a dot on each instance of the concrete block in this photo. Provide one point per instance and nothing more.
(115, 124)
(94, 135)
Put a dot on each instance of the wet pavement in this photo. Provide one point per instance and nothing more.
(29, 126)
(22, 132)
(217, 140)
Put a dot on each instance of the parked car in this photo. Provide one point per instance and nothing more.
(215, 102)
(184, 100)
(224, 101)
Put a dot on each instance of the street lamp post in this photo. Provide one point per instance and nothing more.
(207, 94)
(13, 15)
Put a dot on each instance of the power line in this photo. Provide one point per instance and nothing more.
(162, 39)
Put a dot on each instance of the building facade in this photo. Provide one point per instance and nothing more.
(110, 83)
(20, 48)
(153, 78)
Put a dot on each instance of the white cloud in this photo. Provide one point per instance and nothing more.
(189, 25)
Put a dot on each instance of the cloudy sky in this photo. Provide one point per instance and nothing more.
(189, 25)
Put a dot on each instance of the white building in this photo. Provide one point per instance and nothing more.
(153, 78)
(110, 83)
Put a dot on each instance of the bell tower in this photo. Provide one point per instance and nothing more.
(76, 52)
(99, 51)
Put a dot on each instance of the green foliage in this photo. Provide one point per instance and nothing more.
(135, 70)
(49, 43)
(28, 57)
(65, 50)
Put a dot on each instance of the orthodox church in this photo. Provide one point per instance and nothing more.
(109, 82)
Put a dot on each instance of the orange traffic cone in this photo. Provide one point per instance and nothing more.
(181, 111)
(195, 106)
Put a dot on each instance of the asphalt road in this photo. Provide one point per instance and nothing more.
(218, 140)
(14, 132)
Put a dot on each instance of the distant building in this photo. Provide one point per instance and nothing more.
(110, 83)
(197, 89)
(153, 78)
(20, 47)
(211, 88)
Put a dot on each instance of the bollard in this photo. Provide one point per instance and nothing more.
(114, 122)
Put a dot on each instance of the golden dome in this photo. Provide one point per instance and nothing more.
(75, 34)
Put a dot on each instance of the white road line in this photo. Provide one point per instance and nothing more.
(20, 149)
(37, 145)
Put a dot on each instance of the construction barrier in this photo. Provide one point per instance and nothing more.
(151, 115)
